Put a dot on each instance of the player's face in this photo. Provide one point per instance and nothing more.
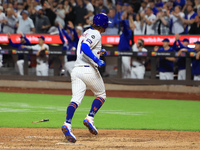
(197, 47)
(41, 41)
(185, 43)
(165, 44)
(22, 40)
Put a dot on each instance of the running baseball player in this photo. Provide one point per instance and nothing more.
(42, 67)
(72, 39)
(20, 61)
(85, 74)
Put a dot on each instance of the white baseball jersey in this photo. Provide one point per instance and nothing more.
(92, 38)
(85, 73)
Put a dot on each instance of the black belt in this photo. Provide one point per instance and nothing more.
(136, 66)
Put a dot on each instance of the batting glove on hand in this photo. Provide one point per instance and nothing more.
(103, 52)
(101, 63)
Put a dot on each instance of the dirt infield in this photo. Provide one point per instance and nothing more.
(53, 139)
(50, 139)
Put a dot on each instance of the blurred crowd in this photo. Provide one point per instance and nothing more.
(160, 17)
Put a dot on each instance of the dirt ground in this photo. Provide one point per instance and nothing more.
(50, 139)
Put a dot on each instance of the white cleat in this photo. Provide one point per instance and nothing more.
(67, 130)
(89, 123)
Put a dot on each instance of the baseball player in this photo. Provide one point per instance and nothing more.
(166, 64)
(181, 47)
(42, 67)
(196, 62)
(137, 63)
(124, 45)
(72, 45)
(85, 74)
(20, 61)
(1, 59)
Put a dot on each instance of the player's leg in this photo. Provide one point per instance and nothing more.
(45, 69)
(140, 72)
(162, 76)
(182, 74)
(20, 65)
(95, 83)
(78, 91)
(170, 75)
(133, 73)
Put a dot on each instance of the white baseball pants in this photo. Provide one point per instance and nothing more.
(182, 74)
(166, 75)
(83, 78)
(137, 72)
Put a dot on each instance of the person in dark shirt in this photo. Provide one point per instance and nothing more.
(181, 47)
(195, 27)
(166, 64)
(196, 62)
(72, 38)
(42, 22)
(81, 11)
(20, 61)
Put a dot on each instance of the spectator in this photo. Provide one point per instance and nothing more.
(60, 14)
(70, 14)
(109, 4)
(90, 10)
(66, 7)
(36, 5)
(184, 9)
(131, 11)
(9, 23)
(48, 10)
(138, 25)
(177, 24)
(196, 62)
(25, 24)
(162, 23)
(124, 45)
(197, 5)
(95, 4)
(182, 47)
(42, 67)
(42, 23)
(153, 7)
(189, 18)
(137, 63)
(112, 27)
(143, 7)
(81, 11)
(2, 18)
(20, 61)
(166, 64)
(15, 6)
(195, 27)
(102, 7)
(149, 19)
(72, 39)
(73, 3)
(20, 8)
(180, 3)
(118, 15)
(125, 7)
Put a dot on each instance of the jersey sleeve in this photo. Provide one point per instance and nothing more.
(92, 39)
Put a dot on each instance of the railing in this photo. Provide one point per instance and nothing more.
(151, 55)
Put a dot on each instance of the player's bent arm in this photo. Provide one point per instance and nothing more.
(87, 51)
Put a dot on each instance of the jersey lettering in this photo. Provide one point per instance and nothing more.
(89, 41)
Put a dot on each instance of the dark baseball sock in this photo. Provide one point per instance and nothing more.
(97, 103)
(70, 112)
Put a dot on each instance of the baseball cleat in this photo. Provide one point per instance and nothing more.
(89, 123)
(67, 130)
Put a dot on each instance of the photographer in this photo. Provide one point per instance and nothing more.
(137, 63)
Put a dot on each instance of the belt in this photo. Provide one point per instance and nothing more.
(87, 66)
(136, 66)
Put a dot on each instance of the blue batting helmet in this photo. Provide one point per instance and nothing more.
(101, 20)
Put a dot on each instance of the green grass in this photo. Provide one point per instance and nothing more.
(19, 110)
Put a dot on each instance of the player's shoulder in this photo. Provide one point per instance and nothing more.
(94, 33)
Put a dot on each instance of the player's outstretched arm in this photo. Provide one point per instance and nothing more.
(86, 49)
